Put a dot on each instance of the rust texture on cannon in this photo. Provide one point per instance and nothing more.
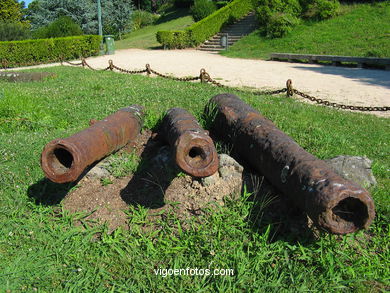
(64, 160)
(334, 204)
(193, 149)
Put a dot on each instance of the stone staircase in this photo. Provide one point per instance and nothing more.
(235, 31)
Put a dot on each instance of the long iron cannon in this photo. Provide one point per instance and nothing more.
(193, 149)
(64, 160)
(333, 203)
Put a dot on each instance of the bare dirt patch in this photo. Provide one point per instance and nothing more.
(156, 184)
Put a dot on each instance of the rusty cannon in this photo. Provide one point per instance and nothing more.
(64, 160)
(193, 149)
(333, 203)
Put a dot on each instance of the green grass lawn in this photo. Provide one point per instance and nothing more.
(145, 38)
(360, 30)
(42, 250)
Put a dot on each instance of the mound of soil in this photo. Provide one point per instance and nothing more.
(157, 184)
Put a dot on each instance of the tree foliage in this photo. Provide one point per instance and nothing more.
(64, 26)
(44, 12)
(116, 14)
(13, 31)
(10, 11)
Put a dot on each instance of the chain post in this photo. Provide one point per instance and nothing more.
(83, 62)
(203, 75)
(148, 70)
(111, 65)
(290, 90)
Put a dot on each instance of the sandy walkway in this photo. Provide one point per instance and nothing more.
(355, 86)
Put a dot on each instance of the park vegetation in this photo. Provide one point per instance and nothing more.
(43, 249)
(357, 30)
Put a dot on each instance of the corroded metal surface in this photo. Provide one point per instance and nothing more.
(64, 160)
(13, 76)
(194, 150)
(334, 204)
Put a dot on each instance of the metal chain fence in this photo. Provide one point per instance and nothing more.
(204, 77)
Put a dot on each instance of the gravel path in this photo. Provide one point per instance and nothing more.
(355, 86)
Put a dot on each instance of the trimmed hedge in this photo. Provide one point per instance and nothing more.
(207, 27)
(173, 39)
(31, 52)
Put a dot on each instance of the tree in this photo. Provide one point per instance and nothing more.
(43, 12)
(117, 16)
(10, 11)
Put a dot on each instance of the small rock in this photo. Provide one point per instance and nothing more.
(229, 172)
(210, 180)
(98, 172)
(196, 185)
(226, 160)
(228, 167)
(356, 169)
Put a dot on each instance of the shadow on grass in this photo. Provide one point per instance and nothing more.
(46, 192)
(172, 14)
(276, 212)
(152, 178)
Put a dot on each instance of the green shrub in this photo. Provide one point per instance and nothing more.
(266, 8)
(29, 52)
(277, 17)
(173, 39)
(322, 9)
(64, 26)
(165, 7)
(280, 24)
(142, 18)
(13, 32)
(202, 9)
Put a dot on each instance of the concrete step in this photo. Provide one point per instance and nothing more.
(231, 36)
(216, 43)
(235, 32)
(211, 46)
(210, 50)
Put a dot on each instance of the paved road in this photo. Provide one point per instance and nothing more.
(355, 86)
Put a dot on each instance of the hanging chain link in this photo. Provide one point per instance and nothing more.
(204, 77)
(340, 106)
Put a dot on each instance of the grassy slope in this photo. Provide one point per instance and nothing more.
(41, 248)
(145, 38)
(361, 30)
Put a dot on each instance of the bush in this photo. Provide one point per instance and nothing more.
(266, 8)
(30, 52)
(13, 32)
(173, 39)
(202, 9)
(64, 26)
(280, 24)
(141, 18)
(183, 3)
(322, 9)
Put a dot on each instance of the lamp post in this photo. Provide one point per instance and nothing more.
(99, 8)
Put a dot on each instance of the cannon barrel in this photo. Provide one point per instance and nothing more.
(64, 160)
(333, 203)
(193, 149)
